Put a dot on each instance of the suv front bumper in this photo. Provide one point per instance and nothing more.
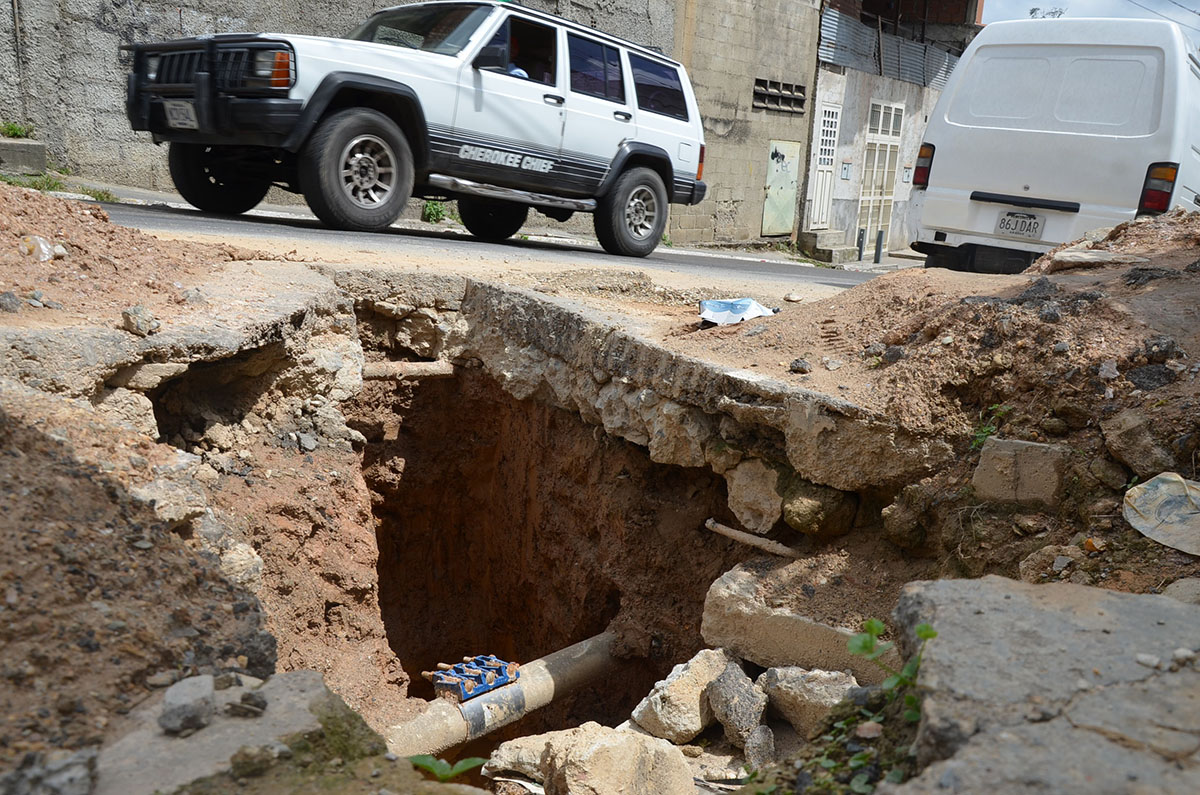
(251, 117)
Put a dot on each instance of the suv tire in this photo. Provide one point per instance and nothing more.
(356, 171)
(492, 220)
(209, 182)
(630, 218)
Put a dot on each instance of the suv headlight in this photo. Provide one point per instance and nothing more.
(271, 69)
(152, 68)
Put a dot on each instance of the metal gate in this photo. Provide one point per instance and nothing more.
(879, 170)
(822, 205)
(783, 171)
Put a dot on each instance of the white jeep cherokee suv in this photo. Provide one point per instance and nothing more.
(498, 106)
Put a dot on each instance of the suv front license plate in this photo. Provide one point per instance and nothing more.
(1026, 225)
(181, 114)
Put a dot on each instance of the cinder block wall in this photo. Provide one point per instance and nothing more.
(726, 45)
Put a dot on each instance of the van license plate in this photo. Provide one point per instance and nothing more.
(181, 114)
(1026, 225)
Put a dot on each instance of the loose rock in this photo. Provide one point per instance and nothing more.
(188, 704)
(760, 748)
(138, 320)
(737, 703)
(677, 708)
(9, 302)
(804, 697)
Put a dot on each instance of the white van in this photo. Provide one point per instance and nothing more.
(1048, 129)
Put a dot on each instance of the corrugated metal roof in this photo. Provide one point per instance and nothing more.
(847, 42)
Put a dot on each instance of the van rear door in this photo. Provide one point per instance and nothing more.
(1039, 143)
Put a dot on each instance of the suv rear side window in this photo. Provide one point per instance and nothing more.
(596, 69)
(658, 87)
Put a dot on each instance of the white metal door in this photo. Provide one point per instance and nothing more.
(822, 205)
(879, 170)
(783, 170)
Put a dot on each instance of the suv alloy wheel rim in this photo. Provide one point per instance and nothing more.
(368, 171)
(641, 211)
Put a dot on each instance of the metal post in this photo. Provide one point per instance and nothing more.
(878, 246)
(862, 238)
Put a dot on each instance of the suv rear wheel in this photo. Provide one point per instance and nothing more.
(631, 217)
(208, 178)
(356, 171)
(492, 220)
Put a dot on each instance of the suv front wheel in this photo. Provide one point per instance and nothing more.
(492, 220)
(356, 171)
(631, 217)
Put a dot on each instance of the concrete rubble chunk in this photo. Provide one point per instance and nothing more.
(144, 377)
(752, 495)
(173, 503)
(737, 703)
(1051, 561)
(596, 760)
(188, 704)
(750, 612)
(677, 709)
(1024, 473)
(1025, 690)
(760, 748)
(1131, 441)
(804, 697)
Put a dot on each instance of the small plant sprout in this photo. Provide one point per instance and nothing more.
(443, 770)
(989, 422)
(866, 644)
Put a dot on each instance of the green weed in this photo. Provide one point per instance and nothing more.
(990, 420)
(41, 182)
(11, 129)
(443, 770)
(99, 194)
(432, 212)
(866, 644)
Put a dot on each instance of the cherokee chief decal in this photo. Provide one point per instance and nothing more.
(502, 158)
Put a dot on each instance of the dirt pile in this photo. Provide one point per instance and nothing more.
(99, 268)
(98, 594)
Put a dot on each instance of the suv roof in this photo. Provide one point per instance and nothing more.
(641, 48)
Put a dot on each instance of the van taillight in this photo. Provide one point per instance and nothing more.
(700, 168)
(1156, 192)
(924, 163)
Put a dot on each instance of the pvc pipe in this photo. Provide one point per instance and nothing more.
(774, 547)
(446, 724)
(438, 368)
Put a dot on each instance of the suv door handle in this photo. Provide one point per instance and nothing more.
(622, 115)
(552, 99)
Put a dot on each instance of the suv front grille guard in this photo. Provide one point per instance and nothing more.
(197, 69)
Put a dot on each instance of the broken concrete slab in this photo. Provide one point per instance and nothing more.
(677, 709)
(22, 156)
(1026, 690)
(145, 760)
(748, 612)
(1019, 472)
(596, 760)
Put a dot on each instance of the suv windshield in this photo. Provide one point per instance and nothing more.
(443, 29)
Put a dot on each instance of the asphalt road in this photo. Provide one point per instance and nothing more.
(450, 245)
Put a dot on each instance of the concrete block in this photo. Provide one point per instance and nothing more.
(749, 613)
(19, 156)
(677, 709)
(1025, 473)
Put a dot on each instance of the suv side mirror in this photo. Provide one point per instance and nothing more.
(493, 56)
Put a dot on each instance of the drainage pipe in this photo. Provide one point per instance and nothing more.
(439, 368)
(446, 724)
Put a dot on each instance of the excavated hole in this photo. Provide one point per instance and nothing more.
(513, 528)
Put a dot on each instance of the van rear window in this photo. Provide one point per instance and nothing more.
(1114, 91)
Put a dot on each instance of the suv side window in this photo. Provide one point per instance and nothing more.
(658, 87)
(532, 49)
(595, 69)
